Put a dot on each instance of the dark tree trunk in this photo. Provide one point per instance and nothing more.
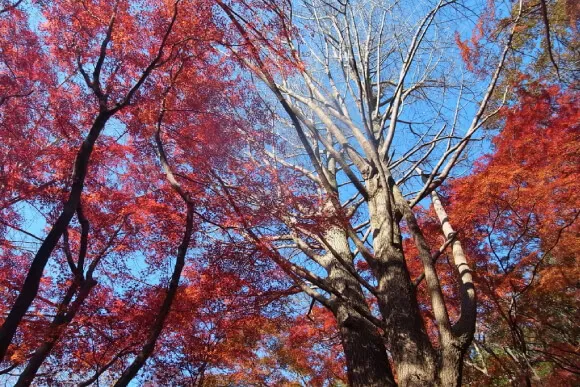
(62, 319)
(149, 346)
(32, 281)
(413, 355)
(366, 359)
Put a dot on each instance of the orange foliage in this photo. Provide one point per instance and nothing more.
(519, 214)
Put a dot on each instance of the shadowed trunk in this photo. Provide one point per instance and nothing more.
(366, 359)
(451, 368)
(364, 349)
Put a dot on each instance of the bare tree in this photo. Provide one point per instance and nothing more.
(377, 95)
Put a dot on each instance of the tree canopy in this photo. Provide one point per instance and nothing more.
(289, 193)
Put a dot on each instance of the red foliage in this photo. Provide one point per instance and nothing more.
(519, 214)
(135, 218)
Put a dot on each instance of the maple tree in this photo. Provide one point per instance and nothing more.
(104, 90)
(115, 208)
(524, 231)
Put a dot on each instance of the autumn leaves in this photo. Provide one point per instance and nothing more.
(226, 193)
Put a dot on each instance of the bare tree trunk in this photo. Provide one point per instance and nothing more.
(462, 332)
(350, 60)
(451, 366)
(405, 331)
(366, 357)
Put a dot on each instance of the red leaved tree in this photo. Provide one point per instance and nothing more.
(522, 226)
